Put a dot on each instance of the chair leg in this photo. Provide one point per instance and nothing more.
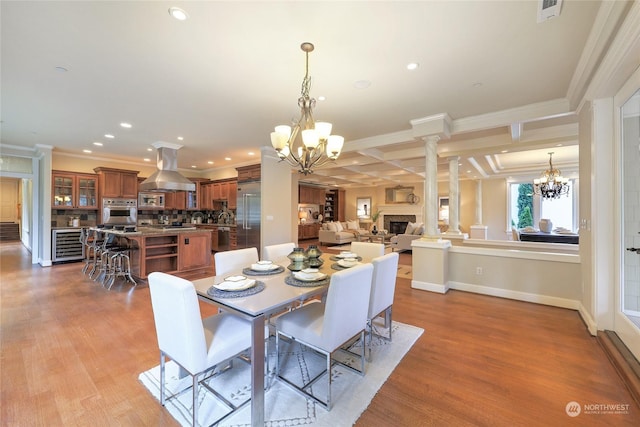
(162, 375)
(195, 401)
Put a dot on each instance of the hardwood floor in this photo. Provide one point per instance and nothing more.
(72, 352)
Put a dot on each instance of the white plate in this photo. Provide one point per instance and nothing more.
(341, 263)
(235, 278)
(309, 277)
(347, 255)
(235, 286)
(264, 267)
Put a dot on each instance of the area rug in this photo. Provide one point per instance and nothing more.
(351, 393)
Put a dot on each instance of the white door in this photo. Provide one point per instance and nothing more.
(9, 200)
(627, 315)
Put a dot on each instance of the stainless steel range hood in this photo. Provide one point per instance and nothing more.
(167, 177)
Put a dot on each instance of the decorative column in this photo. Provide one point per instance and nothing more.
(478, 202)
(454, 196)
(431, 187)
(478, 231)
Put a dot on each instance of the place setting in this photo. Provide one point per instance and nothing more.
(307, 277)
(236, 287)
(263, 268)
(344, 260)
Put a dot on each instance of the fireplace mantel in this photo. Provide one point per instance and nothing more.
(401, 209)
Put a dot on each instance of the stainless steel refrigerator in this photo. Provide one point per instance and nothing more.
(248, 215)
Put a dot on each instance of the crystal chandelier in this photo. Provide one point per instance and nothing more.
(551, 184)
(307, 143)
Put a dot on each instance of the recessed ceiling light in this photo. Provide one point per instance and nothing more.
(251, 153)
(210, 162)
(108, 135)
(86, 151)
(321, 98)
(477, 84)
(558, 145)
(504, 151)
(193, 166)
(126, 125)
(62, 69)
(178, 13)
(227, 158)
(146, 159)
(99, 144)
(180, 138)
(412, 66)
(149, 149)
(362, 84)
(468, 171)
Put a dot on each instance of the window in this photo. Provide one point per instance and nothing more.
(526, 209)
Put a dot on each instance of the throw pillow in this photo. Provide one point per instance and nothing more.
(339, 226)
(419, 230)
(410, 227)
(352, 225)
(325, 226)
(332, 226)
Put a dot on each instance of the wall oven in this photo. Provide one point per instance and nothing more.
(119, 211)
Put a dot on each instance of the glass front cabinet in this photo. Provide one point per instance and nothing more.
(74, 191)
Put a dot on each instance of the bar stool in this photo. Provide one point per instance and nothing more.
(95, 244)
(118, 265)
(84, 240)
(102, 257)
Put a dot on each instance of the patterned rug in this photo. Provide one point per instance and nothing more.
(351, 392)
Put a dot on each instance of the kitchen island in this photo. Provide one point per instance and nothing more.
(173, 250)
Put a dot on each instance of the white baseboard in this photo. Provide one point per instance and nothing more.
(517, 295)
(588, 320)
(431, 287)
(46, 262)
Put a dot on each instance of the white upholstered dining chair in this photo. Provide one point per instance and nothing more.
(234, 260)
(325, 327)
(278, 253)
(367, 250)
(197, 345)
(383, 287)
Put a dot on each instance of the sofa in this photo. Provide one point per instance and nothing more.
(338, 233)
(402, 242)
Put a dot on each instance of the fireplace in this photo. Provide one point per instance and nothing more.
(397, 227)
(397, 224)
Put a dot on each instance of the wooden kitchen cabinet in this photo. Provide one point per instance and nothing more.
(118, 183)
(233, 195)
(74, 190)
(175, 200)
(194, 251)
(249, 173)
(173, 253)
(193, 198)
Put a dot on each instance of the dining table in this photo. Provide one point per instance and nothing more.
(275, 297)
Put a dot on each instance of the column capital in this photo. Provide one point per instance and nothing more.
(438, 124)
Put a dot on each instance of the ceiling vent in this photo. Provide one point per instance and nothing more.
(167, 178)
(548, 9)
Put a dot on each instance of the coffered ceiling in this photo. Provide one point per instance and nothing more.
(220, 80)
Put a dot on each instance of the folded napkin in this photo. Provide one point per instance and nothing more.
(529, 230)
(235, 285)
(264, 267)
(309, 277)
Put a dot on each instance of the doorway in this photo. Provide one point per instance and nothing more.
(627, 313)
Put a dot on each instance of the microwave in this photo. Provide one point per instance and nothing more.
(150, 200)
